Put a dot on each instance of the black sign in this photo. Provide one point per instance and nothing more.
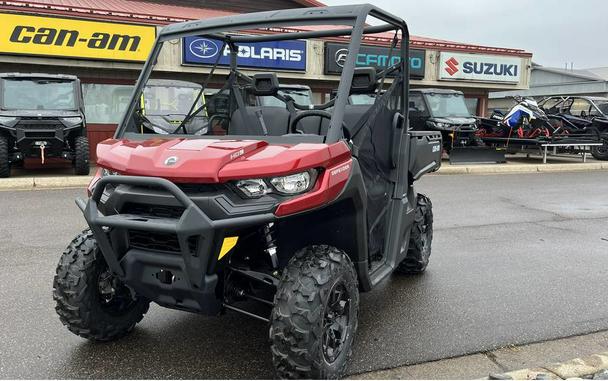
(375, 56)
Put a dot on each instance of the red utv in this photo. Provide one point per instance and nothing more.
(295, 208)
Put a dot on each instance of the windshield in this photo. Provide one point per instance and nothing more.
(38, 94)
(447, 105)
(603, 106)
(362, 99)
(165, 104)
(300, 96)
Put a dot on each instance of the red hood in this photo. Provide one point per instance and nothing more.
(213, 160)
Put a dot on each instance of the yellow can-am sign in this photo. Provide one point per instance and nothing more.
(60, 37)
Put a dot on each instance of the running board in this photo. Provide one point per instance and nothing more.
(476, 155)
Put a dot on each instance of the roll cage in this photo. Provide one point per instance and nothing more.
(354, 16)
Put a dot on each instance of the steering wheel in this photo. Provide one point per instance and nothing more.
(319, 113)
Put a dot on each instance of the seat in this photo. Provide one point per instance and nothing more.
(276, 120)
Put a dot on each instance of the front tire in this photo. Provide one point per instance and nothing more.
(90, 301)
(5, 164)
(81, 156)
(421, 236)
(600, 152)
(314, 320)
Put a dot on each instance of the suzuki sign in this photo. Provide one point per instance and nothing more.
(482, 68)
(282, 55)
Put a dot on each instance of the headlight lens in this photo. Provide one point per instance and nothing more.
(252, 188)
(72, 120)
(286, 185)
(292, 184)
(7, 120)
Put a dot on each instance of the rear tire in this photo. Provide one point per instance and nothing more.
(81, 155)
(421, 236)
(600, 152)
(5, 164)
(314, 320)
(90, 301)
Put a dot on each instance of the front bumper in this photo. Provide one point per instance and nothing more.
(185, 278)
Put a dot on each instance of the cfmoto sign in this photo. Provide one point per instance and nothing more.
(335, 57)
(476, 67)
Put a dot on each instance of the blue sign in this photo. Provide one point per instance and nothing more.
(282, 55)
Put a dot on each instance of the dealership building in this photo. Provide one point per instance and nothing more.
(106, 42)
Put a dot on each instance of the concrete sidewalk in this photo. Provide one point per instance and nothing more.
(571, 357)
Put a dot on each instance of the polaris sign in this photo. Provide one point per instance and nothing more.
(482, 68)
(281, 55)
(375, 56)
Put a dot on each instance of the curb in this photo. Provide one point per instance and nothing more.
(575, 368)
(32, 183)
(520, 168)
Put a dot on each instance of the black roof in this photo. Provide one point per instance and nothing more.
(335, 15)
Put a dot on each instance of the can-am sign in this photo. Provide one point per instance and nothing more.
(61, 37)
(281, 55)
(375, 56)
(482, 68)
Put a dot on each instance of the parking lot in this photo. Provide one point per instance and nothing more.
(515, 260)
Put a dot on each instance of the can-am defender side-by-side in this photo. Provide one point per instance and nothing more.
(445, 110)
(42, 116)
(283, 212)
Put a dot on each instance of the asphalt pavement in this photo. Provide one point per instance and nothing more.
(516, 259)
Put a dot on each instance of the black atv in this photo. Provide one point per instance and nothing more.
(42, 116)
(285, 217)
(445, 110)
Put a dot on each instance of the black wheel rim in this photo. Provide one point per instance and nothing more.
(336, 322)
(114, 297)
(602, 150)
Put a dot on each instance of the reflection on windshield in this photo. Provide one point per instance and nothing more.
(164, 107)
(301, 97)
(167, 100)
(42, 94)
(603, 107)
(447, 105)
(362, 99)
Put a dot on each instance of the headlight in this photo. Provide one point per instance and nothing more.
(286, 185)
(7, 120)
(292, 184)
(72, 120)
(252, 188)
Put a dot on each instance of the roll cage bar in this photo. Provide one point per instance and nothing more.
(354, 16)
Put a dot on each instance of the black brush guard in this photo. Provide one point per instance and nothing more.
(182, 280)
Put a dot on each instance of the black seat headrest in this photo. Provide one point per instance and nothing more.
(364, 81)
(265, 84)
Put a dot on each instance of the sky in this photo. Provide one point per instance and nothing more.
(554, 31)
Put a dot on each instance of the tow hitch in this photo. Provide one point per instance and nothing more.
(42, 146)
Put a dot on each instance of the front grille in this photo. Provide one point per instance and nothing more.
(153, 241)
(199, 188)
(158, 211)
(40, 134)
